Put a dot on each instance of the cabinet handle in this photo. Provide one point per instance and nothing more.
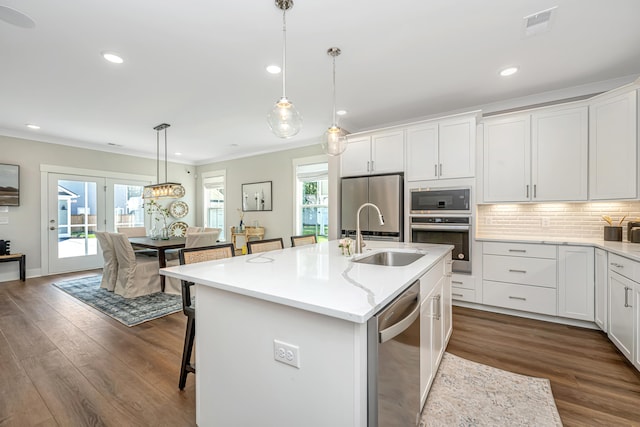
(368, 170)
(457, 295)
(518, 250)
(439, 307)
(517, 271)
(435, 170)
(518, 298)
(527, 191)
(616, 265)
(457, 282)
(440, 174)
(438, 313)
(626, 297)
(372, 165)
(535, 190)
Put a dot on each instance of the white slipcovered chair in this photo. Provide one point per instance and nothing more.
(194, 230)
(133, 231)
(205, 238)
(137, 275)
(110, 267)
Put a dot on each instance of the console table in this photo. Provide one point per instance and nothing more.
(22, 260)
(249, 232)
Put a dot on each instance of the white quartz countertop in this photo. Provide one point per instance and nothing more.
(626, 249)
(316, 278)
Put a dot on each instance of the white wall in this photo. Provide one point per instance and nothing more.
(24, 228)
(275, 167)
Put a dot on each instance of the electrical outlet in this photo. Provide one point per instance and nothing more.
(286, 353)
(545, 221)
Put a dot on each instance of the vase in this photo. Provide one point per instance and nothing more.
(164, 233)
(613, 233)
(153, 233)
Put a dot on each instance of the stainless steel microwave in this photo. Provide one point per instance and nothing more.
(437, 200)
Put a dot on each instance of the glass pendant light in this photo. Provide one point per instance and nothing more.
(284, 119)
(334, 140)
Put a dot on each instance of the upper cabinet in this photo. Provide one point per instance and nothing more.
(441, 149)
(613, 147)
(376, 153)
(537, 156)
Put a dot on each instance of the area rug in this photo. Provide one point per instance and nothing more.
(128, 311)
(465, 393)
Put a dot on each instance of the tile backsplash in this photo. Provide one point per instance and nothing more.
(571, 220)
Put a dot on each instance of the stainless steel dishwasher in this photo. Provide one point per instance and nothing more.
(393, 362)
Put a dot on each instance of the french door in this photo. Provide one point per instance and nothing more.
(80, 205)
(76, 210)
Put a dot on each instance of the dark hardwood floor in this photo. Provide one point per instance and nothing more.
(63, 363)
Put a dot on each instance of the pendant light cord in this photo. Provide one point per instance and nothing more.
(166, 179)
(334, 91)
(284, 51)
(157, 156)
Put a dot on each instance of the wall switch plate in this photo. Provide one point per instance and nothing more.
(286, 353)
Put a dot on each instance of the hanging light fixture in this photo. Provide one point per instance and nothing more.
(164, 189)
(284, 119)
(334, 140)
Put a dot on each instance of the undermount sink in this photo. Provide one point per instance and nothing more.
(390, 258)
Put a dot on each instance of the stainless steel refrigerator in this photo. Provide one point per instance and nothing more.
(384, 191)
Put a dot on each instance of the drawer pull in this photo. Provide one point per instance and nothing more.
(456, 282)
(626, 297)
(615, 264)
(518, 298)
(457, 295)
(517, 271)
(518, 250)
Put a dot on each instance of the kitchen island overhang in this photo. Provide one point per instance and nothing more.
(311, 297)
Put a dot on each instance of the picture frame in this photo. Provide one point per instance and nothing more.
(9, 185)
(256, 196)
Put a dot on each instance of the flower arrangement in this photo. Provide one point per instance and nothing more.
(154, 207)
(241, 215)
(609, 221)
(346, 245)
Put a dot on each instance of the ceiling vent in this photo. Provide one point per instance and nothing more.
(539, 22)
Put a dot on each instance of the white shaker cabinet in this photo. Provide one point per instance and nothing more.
(377, 153)
(613, 147)
(636, 326)
(601, 289)
(441, 149)
(538, 156)
(559, 150)
(507, 159)
(576, 282)
(622, 272)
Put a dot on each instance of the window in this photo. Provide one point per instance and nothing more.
(312, 199)
(128, 205)
(213, 201)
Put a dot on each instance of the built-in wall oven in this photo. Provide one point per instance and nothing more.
(443, 216)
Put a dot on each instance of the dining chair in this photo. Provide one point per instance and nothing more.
(257, 246)
(191, 256)
(191, 229)
(308, 239)
(110, 266)
(137, 232)
(205, 238)
(137, 275)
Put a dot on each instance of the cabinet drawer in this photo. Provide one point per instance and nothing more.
(431, 278)
(624, 267)
(520, 297)
(519, 249)
(525, 271)
(460, 294)
(463, 281)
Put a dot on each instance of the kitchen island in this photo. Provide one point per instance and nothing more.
(309, 300)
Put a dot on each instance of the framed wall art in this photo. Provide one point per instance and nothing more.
(9, 185)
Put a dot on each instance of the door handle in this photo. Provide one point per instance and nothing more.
(52, 228)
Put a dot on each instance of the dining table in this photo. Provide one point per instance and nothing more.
(161, 246)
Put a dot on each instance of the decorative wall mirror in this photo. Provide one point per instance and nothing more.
(256, 196)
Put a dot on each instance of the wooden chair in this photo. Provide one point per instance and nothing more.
(191, 256)
(257, 246)
(309, 239)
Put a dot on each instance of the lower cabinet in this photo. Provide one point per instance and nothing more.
(435, 325)
(636, 325)
(621, 316)
(601, 289)
(576, 282)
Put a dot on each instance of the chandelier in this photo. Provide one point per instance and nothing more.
(165, 189)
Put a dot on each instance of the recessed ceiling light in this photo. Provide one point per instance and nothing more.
(341, 112)
(273, 69)
(509, 71)
(112, 57)
(32, 126)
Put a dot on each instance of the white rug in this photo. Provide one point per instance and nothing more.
(465, 393)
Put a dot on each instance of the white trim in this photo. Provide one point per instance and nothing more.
(203, 209)
(96, 173)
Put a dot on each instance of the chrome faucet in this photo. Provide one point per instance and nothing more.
(358, 236)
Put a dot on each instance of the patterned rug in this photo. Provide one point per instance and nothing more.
(129, 311)
(465, 393)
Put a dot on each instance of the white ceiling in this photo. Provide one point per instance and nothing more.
(200, 66)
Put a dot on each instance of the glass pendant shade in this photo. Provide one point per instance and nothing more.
(334, 141)
(284, 119)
